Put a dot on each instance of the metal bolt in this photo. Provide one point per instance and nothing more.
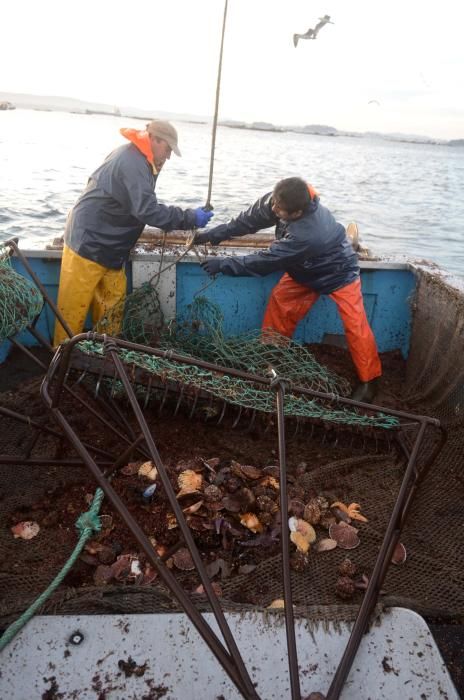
(76, 638)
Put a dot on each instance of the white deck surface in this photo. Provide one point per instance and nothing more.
(397, 660)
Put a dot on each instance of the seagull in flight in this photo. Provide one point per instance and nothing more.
(312, 33)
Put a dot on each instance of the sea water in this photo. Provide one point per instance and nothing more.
(408, 199)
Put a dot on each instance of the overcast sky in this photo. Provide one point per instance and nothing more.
(384, 65)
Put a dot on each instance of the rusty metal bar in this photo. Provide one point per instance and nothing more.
(124, 457)
(65, 351)
(112, 350)
(279, 386)
(27, 352)
(43, 462)
(33, 424)
(38, 336)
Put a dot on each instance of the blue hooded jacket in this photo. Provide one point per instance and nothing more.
(313, 249)
(118, 202)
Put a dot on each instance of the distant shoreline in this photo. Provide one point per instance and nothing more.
(75, 106)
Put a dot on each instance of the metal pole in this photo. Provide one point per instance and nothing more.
(288, 598)
(208, 206)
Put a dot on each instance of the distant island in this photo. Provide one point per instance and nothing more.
(68, 104)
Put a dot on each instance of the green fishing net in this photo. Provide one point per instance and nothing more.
(138, 317)
(20, 300)
(198, 333)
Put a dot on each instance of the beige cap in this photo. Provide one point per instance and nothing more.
(164, 130)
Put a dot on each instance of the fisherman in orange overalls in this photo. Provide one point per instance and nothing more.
(313, 251)
(107, 220)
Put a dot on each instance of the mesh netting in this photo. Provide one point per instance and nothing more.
(138, 317)
(20, 300)
(432, 578)
(199, 334)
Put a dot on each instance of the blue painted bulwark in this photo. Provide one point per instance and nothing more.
(243, 300)
(387, 294)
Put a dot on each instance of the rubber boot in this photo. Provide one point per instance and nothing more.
(365, 391)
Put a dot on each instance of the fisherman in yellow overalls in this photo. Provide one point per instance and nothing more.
(107, 220)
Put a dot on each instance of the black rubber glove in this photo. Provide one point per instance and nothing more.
(201, 238)
(212, 266)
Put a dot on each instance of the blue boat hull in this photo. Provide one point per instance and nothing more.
(388, 289)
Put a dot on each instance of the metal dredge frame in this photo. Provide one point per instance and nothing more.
(229, 656)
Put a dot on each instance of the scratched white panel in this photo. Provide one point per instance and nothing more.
(143, 271)
(120, 657)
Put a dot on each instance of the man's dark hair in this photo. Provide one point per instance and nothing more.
(292, 194)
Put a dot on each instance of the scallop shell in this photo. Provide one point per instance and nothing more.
(249, 472)
(212, 493)
(26, 530)
(345, 535)
(148, 470)
(266, 504)
(149, 575)
(183, 559)
(189, 482)
(277, 604)
(200, 590)
(122, 566)
(347, 568)
(296, 507)
(171, 521)
(130, 469)
(102, 575)
(270, 482)
(195, 522)
(300, 541)
(193, 508)
(325, 545)
(312, 512)
(272, 470)
(399, 554)
(304, 528)
(250, 520)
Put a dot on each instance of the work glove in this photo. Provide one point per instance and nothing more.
(202, 237)
(212, 266)
(202, 217)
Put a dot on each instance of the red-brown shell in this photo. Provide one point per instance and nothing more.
(345, 587)
(345, 535)
(183, 559)
(325, 545)
(347, 568)
(399, 554)
(312, 512)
